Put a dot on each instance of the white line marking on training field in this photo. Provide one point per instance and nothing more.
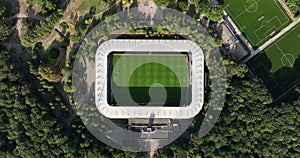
(283, 54)
(253, 4)
(263, 26)
(289, 58)
(281, 8)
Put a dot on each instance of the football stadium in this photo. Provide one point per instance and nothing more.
(138, 78)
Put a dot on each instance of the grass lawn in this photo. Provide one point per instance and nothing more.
(86, 6)
(259, 20)
(279, 64)
(140, 72)
(149, 69)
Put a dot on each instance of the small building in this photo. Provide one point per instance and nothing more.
(214, 3)
(228, 36)
(238, 50)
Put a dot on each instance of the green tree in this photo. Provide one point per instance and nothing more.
(183, 5)
(5, 27)
(203, 8)
(162, 3)
(44, 5)
(294, 6)
(49, 73)
(41, 30)
(249, 126)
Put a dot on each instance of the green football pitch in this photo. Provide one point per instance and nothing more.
(144, 70)
(279, 64)
(139, 72)
(259, 20)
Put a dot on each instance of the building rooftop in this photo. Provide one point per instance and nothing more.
(213, 3)
(228, 33)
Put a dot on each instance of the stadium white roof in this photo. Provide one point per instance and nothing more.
(140, 45)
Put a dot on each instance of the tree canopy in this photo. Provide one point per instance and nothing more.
(37, 119)
(30, 127)
(248, 125)
(5, 27)
(162, 3)
(44, 5)
(203, 8)
(294, 6)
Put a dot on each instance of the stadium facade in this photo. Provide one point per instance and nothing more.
(150, 45)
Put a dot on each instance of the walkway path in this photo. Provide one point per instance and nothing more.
(25, 15)
(22, 10)
(14, 43)
(70, 7)
(147, 7)
(287, 9)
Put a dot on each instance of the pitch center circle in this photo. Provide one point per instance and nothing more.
(288, 60)
(251, 6)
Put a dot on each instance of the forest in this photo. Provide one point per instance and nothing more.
(5, 26)
(249, 124)
(36, 103)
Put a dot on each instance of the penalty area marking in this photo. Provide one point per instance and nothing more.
(270, 32)
(262, 17)
(265, 24)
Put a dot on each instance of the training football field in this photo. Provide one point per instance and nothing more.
(258, 20)
(139, 72)
(279, 64)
